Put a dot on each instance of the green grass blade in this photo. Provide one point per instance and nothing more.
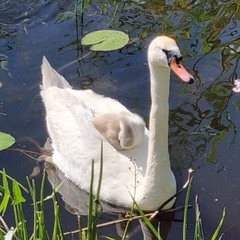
(41, 215)
(93, 204)
(2, 231)
(217, 231)
(148, 222)
(198, 232)
(17, 201)
(186, 209)
(6, 194)
(32, 190)
(57, 230)
(90, 205)
(10, 178)
(100, 175)
(17, 194)
(97, 197)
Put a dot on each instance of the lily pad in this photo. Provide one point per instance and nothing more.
(106, 40)
(6, 141)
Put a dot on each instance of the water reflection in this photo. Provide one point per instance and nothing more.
(204, 118)
(76, 202)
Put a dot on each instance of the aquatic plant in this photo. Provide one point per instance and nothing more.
(199, 231)
(6, 140)
(13, 200)
(105, 40)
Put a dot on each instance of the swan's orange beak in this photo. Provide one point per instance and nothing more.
(181, 72)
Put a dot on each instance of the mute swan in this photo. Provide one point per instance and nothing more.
(135, 161)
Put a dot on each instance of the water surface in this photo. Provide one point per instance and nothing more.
(204, 117)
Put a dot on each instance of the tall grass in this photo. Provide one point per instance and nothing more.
(12, 199)
(199, 230)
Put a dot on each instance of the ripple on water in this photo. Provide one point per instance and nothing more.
(16, 15)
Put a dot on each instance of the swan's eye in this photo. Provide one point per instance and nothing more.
(169, 54)
(172, 55)
(178, 59)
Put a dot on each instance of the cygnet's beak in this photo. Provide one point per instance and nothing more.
(181, 72)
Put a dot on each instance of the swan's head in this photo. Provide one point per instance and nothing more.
(163, 52)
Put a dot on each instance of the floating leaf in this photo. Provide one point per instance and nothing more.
(105, 40)
(6, 141)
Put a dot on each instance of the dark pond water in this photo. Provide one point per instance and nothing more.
(204, 117)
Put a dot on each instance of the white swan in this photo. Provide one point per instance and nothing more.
(135, 162)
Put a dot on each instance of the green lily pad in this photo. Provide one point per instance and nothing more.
(6, 141)
(105, 40)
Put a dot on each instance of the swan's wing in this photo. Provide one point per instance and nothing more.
(98, 104)
(76, 143)
(115, 122)
(50, 77)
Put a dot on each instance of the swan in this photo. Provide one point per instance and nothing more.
(136, 162)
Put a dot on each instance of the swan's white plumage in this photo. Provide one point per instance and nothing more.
(76, 142)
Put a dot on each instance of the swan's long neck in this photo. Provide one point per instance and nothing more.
(158, 155)
(158, 182)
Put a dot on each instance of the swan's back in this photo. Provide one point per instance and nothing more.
(116, 123)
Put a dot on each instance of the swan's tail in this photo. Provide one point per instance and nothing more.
(50, 77)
